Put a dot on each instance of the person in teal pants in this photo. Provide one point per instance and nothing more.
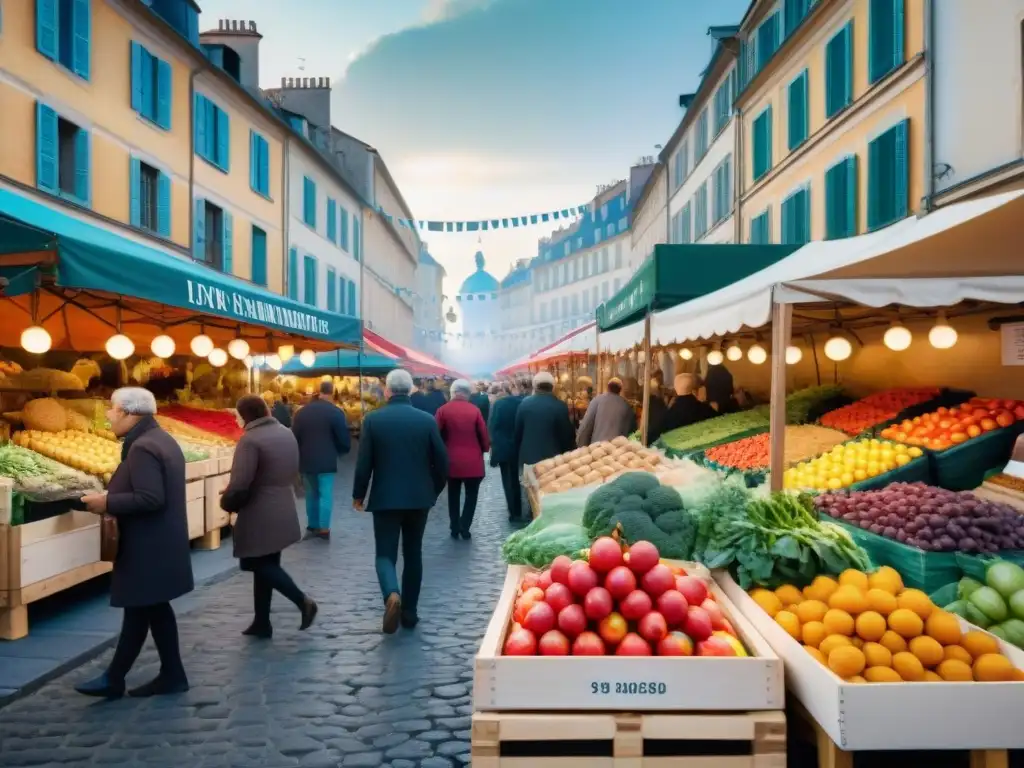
(322, 433)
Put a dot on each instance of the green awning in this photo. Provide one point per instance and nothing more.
(677, 273)
(342, 362)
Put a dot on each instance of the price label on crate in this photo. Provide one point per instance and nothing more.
(628, 688)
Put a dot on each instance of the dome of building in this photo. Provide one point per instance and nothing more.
(480, 281)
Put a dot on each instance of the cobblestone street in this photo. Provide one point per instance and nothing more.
(341, 694)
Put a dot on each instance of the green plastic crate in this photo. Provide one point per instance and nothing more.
(963, 467)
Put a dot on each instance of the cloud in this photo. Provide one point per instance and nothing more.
(446, 10)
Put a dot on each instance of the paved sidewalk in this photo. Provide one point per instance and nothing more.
(341, 694)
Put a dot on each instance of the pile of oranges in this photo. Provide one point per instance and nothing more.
(869, 628)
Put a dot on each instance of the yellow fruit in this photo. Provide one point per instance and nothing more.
(905, 623)
(978, 643)
(944, 627)
(958, 653)
(838, 622)
(870, 626)
(846, 661)
(907, 666)
(850, 599)
(882, 675)
(877, 655)
(768, 600)
(856, 679)
(811, 610)
(854, 578)
(788, 594)
(813, 632)
(916, 601)
(991, 668)
(1018, 675)
(857, 642)
(821, 588)
(815, 653)
(832, 642)
(955, 671)
(927, 649)
(789, 622)
(881, 601)
(931, 677)
(887, 579)
(893, 642)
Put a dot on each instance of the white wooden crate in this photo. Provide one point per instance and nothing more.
(893, 716)
(196, 470)
(521, 683)
(58, 544)
(216, 518)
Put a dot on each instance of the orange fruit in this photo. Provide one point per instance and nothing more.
(821, 588)
(838, 622)
(870, 626)
(931, 677)
(877, 655)
(955, 671)
(854, 578)
(788, 594)
(905, 623)
(991, 668)
(978, 643)
(907, 666)
(916, 601)
(815, 653)
(927, 649)
(850, 599)
(768, 600)
(856, 642)
(832, 642)
(957, 652)
(886, 578)
(789, 622)
(846, 661)
(881, 601)
(893, 642)
(812, 633)
(882, 675)
(856, 679)
(811, 610)
(1018, 675)
(944, 627)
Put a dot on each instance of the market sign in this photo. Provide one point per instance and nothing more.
(222, 301)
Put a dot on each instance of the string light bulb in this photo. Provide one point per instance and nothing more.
(238, 348)
(120, 347)
(218, 358)
(942, 335)
(274, 362)
(685, 353)
(715, 357)
(162, 346)
(897, 337)
(36, 339)
(838, 349)
(307, 357)
(286, 352)
(734, 353)
(757, 354)
(794, 354)
(201, 345)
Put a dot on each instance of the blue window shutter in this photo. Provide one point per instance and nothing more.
(798, 111)
(199, 230)
(263, 161)
(227, 254)
(344, 229)
(135, 188)
(254, 161)
(357, 247)
(332, 220)
(332, 291)
(81, 29)
(210, 117)
(137, 82)
(223, 139)
(83, 164)
(46, 148)
(353, 302)
(199, 125)
(851, 196)
(163, 205)
(805, 212)
(309, 280)
(164, 93)
(293, 274)
(901, 188)
(885, 37)
(46, 28)
(259, 256)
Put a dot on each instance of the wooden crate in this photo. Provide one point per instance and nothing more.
(196, 470)
(858, 717)
(625, 740)
(602, 683)
(224, 460)
(215, 517)
(195, 508)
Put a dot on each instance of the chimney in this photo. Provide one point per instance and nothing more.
(309, 97)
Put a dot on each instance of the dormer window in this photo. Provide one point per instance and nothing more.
(224, 57)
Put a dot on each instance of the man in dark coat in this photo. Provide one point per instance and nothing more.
(418, 398)
(403, 465)
(282, 411)
(543, 428)
(434, 397)
(685, 410)
(322, 432)
(146, 496)
(502, 426)
(481, 400)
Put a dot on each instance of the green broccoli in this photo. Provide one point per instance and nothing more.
(544, 545)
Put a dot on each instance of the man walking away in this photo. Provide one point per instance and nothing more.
(543, 428)
(608, 416)
(435, 397)
(404, 465)
(479, 399)
(502, 427)
(465, 437)
(283, 412)
(418, 396)
(322, 433)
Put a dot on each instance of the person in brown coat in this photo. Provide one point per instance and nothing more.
(266, 461)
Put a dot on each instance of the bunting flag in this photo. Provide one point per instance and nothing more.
(483, 225)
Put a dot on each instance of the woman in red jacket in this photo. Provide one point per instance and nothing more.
(465, 436)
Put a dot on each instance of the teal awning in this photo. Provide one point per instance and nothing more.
(677, 273)
(91, 258)
(342, 362)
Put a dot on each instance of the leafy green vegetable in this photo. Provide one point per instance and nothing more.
(539, 547)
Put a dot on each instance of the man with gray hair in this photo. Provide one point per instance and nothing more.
(322, 433)
(480, 399)
(401, 470)
(543, 428)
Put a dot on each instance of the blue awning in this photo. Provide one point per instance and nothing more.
(341, 362)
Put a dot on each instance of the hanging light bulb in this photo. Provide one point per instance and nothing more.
(897, 337)
(162, 346)
(838, 349)
(259, 360)
(794, 355)
(307, 357)
(238, 348)
(942, 335)
(715, 357)
(217, 357)
(757, 354)
(734, 353)
(201, 345)
(286, 352)
(686, 354)
(120, 347)
(274, 362)
(36, 339)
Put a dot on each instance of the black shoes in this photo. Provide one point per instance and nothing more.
(467, 535)
(409, 620)
(159, 686)
(392, 613)
(101, 687)
(455, 535)
(257, 630)
(309, 611)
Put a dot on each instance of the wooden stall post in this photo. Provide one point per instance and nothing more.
(644, 410)
(597, 353)
(782, 317)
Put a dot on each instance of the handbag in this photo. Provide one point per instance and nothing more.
(110, 538)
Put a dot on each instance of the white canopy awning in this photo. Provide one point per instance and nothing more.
(586, 341)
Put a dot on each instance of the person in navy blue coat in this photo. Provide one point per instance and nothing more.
(322, 433)
(502, 426)
(401, 469)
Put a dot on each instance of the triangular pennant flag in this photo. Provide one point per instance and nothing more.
(472, 226)
(555, 215)
(566, 213)
(494, 223)
(435, 226)
(504, 223)
(483, 225)
(449, 227)
(544, 217)
(458, 226)
(533, 219)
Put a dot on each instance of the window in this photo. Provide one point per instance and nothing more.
(795, 10)
(575, 304)
(885, 38)
(767, 40)
(762, 143)
(259, 256)
(685, 225)
(309, 280)
(213, 239)
(604, 259)
(597, 235)
(618, 255)
(357, 245)
(565, 306)
(723, 190)
(259, 164)
(309, 201)
(63, 32)
(796, 217)
(332, 220)
(342, 296)
(150, 198)
(332, 290)
(761, 228)
(343, 229)
(151, 87)
(611, 230)
(700, 211)
(839, 71)
(604, 291)
(798, 112)
(604, 211)
(212, 133)
(841, 199)
(623, 224)
(700, 143)
(684, 151)
(353, 301)
(293, 274)
(888, 177)
(677, 170)
(723, 104)
(747, 61)
(62, 156)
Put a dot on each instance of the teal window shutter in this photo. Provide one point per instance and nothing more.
(164, 93)
(767, 40)
(839, 71)
(841, 199)
(227, 254)
(762, 143)
(357, 246)
(163, 205)
(223, 158)
(46, 148)
(332, 291)
(798, 112)
(332, 220)
(885, 37)
(254, 162)
(199, 231)
(81, 31)
(293, 274)
(309, 201)
(796, 218)
(210, 116)
(199, 125)
(309, 280)
(259, 256)
(342, 296)
(353, 302)
(264, 166)
(888, 177)
(83, 165)
(761, 228)
(137, 81)
(795, 11)
(685, 225)
(344, 229)
(46, 28)
(135, 188)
